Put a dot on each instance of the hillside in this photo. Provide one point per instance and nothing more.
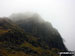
(15, 42)
(31, 36)
(37, 27)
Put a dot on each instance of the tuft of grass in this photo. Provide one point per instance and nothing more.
(2, 31)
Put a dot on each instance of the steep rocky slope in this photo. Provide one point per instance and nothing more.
(29, 36)
(37, 27)
(15, 42)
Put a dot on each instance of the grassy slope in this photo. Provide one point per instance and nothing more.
(15, 42)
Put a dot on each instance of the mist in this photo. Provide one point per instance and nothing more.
(61, 13)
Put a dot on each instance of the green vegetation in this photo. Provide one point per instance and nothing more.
(29, 39)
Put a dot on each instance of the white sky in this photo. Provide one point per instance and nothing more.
(61, 13)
